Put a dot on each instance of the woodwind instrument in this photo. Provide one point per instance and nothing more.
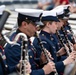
(73, 38)
(66, 38)
(24, 56)
(44, 50)
(24, 51)
(72, 66)
(62, 42)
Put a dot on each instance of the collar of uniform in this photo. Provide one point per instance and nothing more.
(18, 31)
(43, 33)
(51, 37)
(60, 31)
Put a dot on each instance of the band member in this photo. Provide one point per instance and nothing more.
(50, 26)
(63, 17)
(27, 21)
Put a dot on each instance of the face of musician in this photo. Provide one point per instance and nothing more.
(28, 28)
(53, 27)
(60, 24)
(50, 27)
(65, 22)
(28, 19)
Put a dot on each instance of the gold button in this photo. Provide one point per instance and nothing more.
(30, 56)
(42, 34)
(54, 47)
(52, 39)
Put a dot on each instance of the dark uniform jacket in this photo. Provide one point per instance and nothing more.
(57, 45)
(13, 55)
(3, 69)
(48, 44)
(69, 34)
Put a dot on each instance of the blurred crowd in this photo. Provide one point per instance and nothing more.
(50, 4)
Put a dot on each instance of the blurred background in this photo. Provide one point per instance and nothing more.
(37, 4)
(12, 4)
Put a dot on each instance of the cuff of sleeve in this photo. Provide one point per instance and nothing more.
(60, 67)
(12, 69)
(37, 72)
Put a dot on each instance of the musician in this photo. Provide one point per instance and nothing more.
(50, 26)
(63, 15)
(27, 21)
(72, 9)
(57, 41)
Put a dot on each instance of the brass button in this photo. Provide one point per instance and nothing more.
(42, 34)
(30, 56)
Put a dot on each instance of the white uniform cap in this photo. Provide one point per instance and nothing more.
(49, 13)
(30, 14)
(49, 16)
(60, 11)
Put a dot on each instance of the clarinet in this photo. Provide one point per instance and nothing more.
(66, 38)
(72, 34)
(24, 56)
(59, 38)
(62, 42)
(44, 50)
(72, 66)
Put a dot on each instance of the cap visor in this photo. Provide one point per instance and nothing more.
(56, 19)
(39, 23)
(50, 18)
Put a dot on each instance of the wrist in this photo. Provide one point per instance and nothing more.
(44, 70)
(65, 62)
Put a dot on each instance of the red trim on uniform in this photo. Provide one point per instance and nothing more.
(14, 37)
(1, 47)
(61, 73)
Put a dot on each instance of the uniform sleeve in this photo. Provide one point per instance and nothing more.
(13, 56)
(38, 48)
(38, 72)
(12, 53)
(60, 67)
